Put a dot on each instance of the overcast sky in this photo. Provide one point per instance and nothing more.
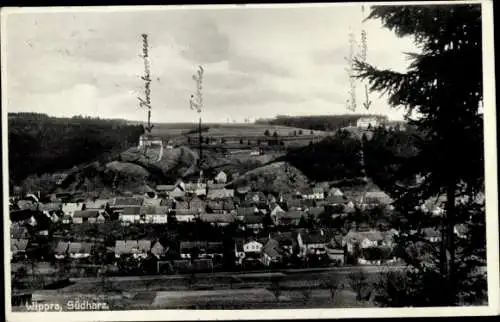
(259, 62)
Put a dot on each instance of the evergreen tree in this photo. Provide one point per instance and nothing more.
(444, 86)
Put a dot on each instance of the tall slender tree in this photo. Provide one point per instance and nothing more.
(443, 86)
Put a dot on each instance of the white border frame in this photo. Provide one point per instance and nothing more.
(186, 315)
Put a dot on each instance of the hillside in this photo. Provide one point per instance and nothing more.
(318, 122)
(41, 144)
(278, 177)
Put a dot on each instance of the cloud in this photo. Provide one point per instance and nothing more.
(258, 62)
(203, 42)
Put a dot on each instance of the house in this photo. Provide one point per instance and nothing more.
(335, 251)
(248, 249)
(212, 185)
(291, 218)
(131, 214)
(461, 230)
(336, 200)
(242, 212)
(221, 177)
(177, 193)
(223, 193)
(431, 234)
(125, 248)
(154, 215)
(214, 250)
(313, 243)
(318, 193)
(69, 208)
(272, 253)
(243, 190)
(255, 198)
(158, 250)
(196, 204)
(96, 204)
(26, 204)
(122, 202)
(146, 140)
(217, 219)
(88, 216)
(168, 203)
(193, 249)
(185, 216)
(367, 239)
(367, 122)
(165, 189)
(18, 248)
(143, 249)
(61, 250)
(201, 190)
(287, 241)
(375, 198)
(253, 222)
(79, 250)
(50, 207)
(276, 209)
(305, 193)
(335, 192)
(152, 202)
(169, 145)
(316, 212)
(18, 231)
(294, 204)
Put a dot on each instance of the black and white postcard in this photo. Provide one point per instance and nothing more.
(267, 161)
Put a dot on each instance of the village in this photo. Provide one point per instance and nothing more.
(313, 227)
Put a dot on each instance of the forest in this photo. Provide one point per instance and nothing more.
(39, 143)
(318, 122)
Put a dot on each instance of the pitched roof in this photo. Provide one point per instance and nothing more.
(155, 202)
(132, 210)
(217, 218)
(373, 235)
(272, 248)
(316, 211)
(165, 187)
(336, 199)
(215, 186)
(52, 206)
(61, 247)
(18, 245)
(316, 237)
(252, 219)
(125, 246)
(96, 204)
(246, 211)
(152, 210)
(128, 201)
(182, 205)
(295, 214)
(167, 202)
(215, 247)
(80, 248)
(220, 193)
(86, 214)
(18, 231)
(243, 189)
(143, 245)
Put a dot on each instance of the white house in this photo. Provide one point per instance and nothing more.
(221, 177)
(70, 207)
(149, 140)
(366, 122)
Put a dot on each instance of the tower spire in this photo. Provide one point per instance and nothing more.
(196, 103)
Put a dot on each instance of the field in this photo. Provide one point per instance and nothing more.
(166, 130)
(306, 288)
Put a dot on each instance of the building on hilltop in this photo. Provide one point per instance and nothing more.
(147, 140)
(368, 121)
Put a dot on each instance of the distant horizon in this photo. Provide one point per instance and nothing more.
(208, 122)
